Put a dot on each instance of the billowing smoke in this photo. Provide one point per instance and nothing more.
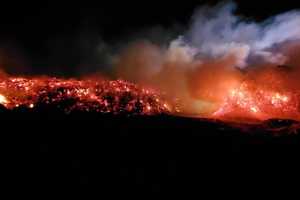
(222, 63)
(218, 53)
(217, 32)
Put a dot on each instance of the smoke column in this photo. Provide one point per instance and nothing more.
(217, 54)
(222, 65)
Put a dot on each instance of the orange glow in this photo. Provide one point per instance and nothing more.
(84, 95)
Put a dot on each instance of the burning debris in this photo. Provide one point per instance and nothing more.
(222, 67)
(259, 103)
(81, 95)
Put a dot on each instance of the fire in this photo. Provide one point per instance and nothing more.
(253, 101)
(3, 100)
(243, 99)
(81, 95)
(278, 99)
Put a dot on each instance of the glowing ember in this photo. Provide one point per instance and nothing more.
(81, 95)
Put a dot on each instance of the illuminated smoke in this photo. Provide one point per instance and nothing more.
(219, 54)
(216, 32)
(222, 66)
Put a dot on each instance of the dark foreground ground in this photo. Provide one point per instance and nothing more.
(84, 155)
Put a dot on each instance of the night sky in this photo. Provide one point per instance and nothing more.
(60, 37)
(115, 156)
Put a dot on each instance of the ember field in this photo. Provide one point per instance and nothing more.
(90, 95)
(95, 137)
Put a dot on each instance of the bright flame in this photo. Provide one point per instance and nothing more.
(3, 100)
(250, 100)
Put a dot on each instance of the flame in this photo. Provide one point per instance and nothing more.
(259, 102)
(245, 98)
(3, 100)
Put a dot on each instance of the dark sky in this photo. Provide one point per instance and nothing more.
(112, 17)
(47, 32)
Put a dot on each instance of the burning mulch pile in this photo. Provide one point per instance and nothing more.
(100, 96)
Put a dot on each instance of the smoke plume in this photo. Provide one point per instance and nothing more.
(216, 54)
(221, 63)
